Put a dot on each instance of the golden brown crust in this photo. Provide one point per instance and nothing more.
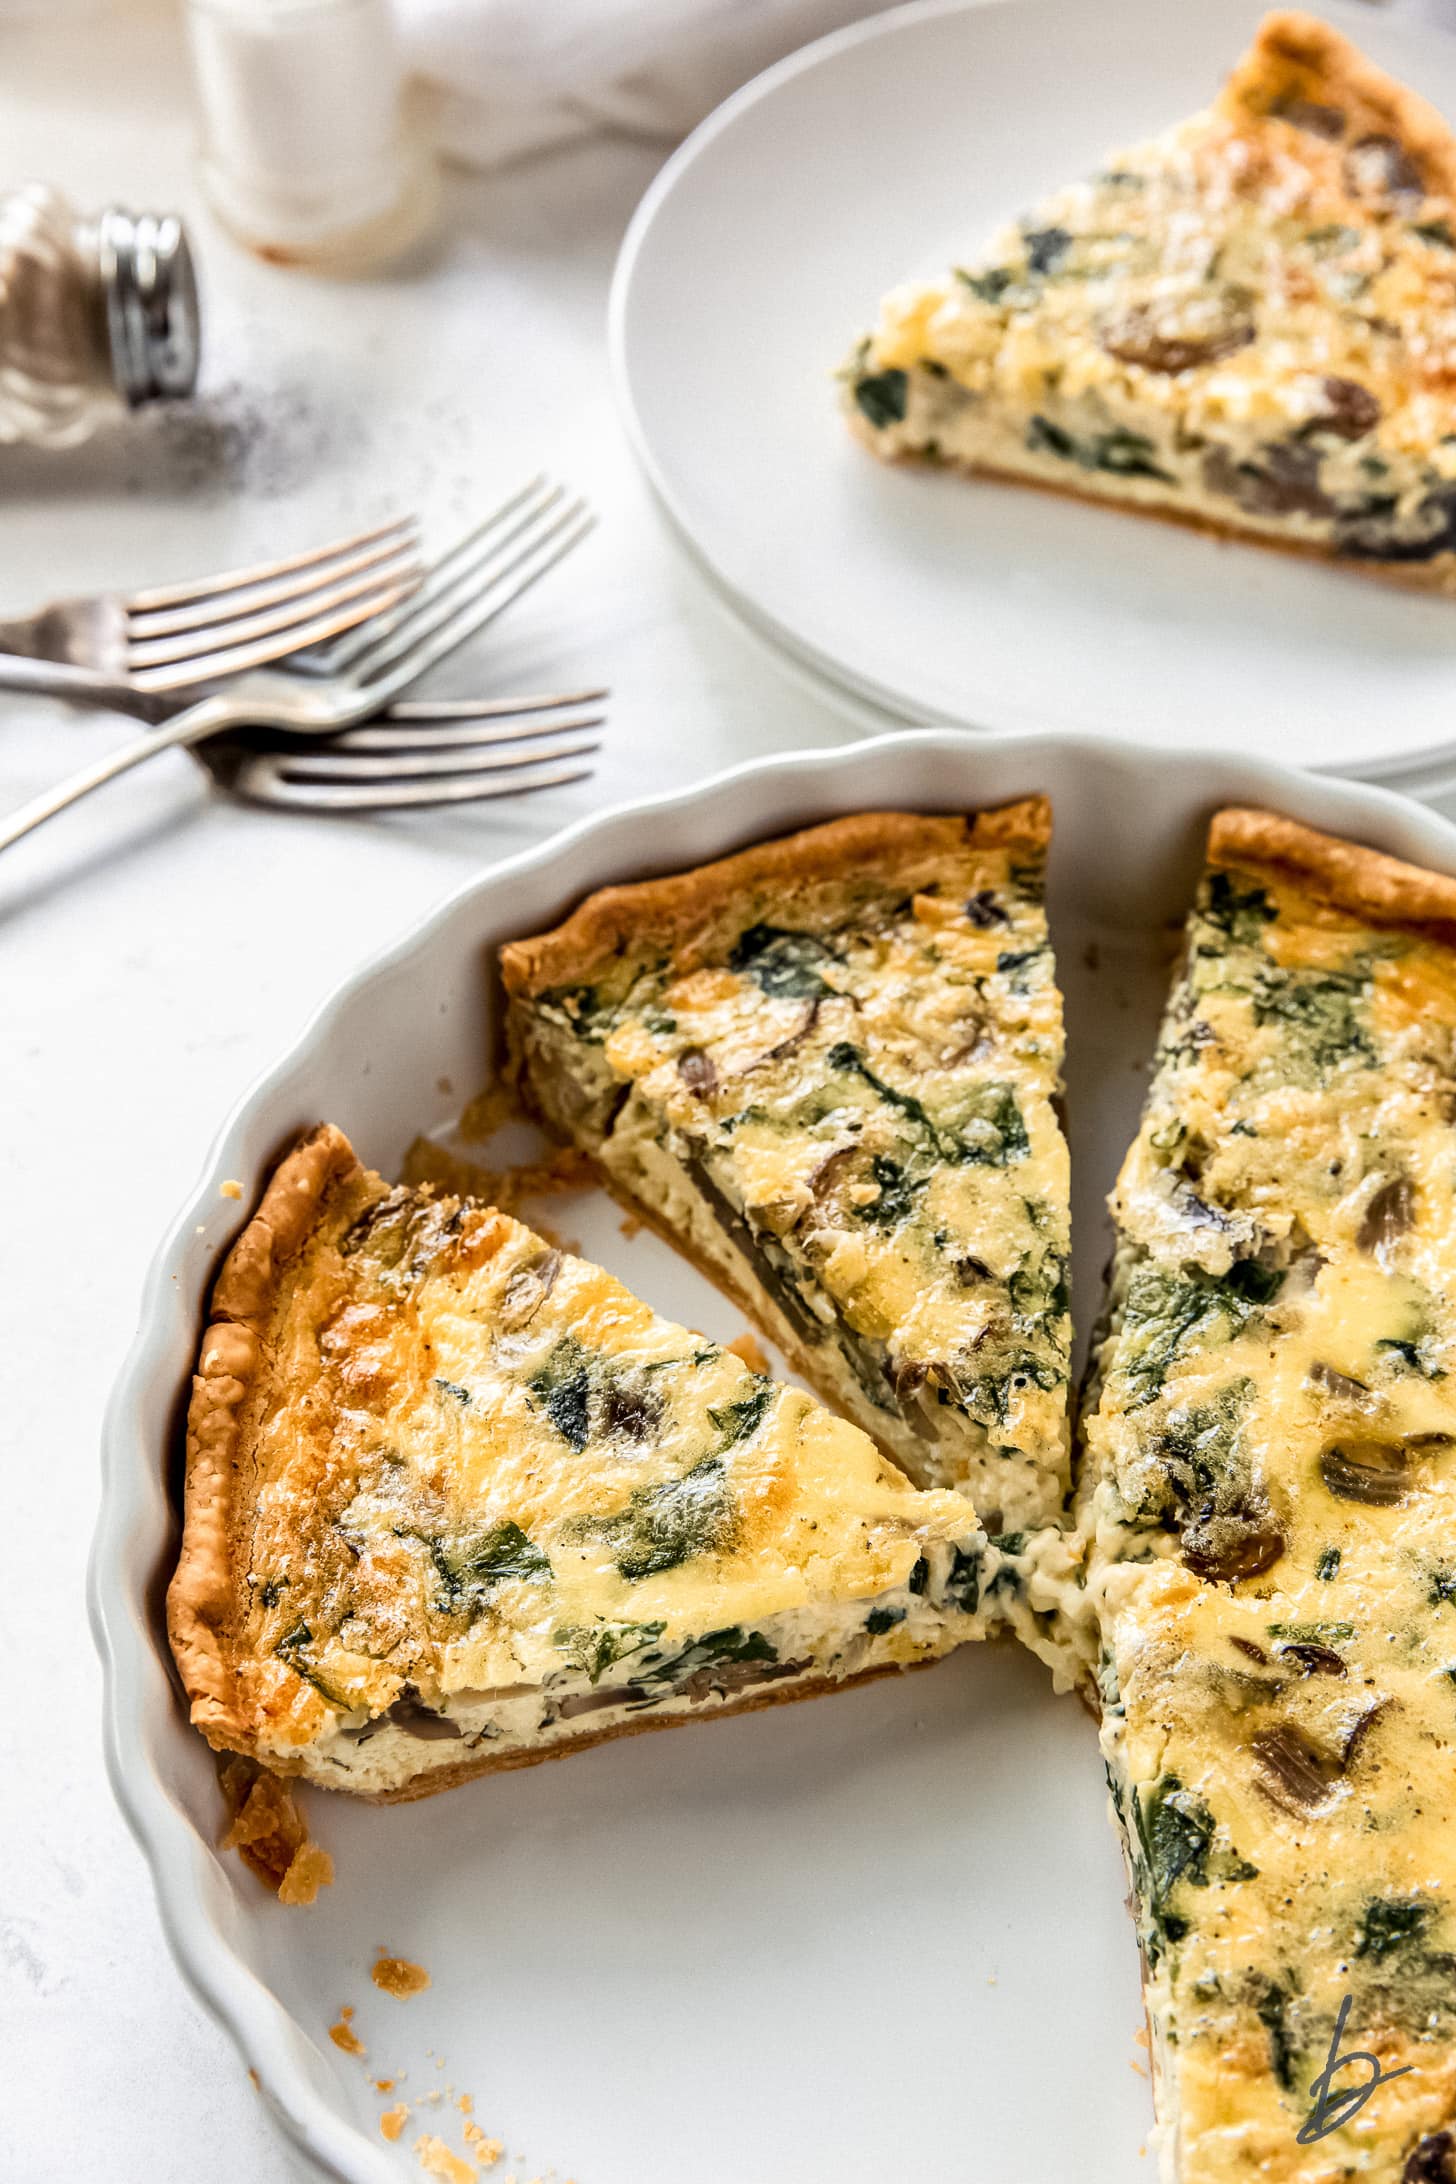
(1364, 882)
(672, 913)
(202, 1595)
(1295, 57)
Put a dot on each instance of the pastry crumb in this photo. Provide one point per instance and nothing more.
(230, 1189)
(310, 1869)
(751, 1350)
(384, 2085)
(628, 1227)
(269, 1833)
(393, 2120)
(436, 2159)
(344, 2036)
(505, 1188)
(397, 1976)
(484, 2149)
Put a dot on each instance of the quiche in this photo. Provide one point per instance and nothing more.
(1249, 323)
(456, 1500)
(827, 1068)
(1270, 1509)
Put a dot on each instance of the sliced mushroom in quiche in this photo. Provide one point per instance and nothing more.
(826, 1067)
(456, 1500)
(1270, 1501)
(1249, 322)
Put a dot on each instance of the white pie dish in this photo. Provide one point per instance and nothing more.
(882, 154)
(782, 1946)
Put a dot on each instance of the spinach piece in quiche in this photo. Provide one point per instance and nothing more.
(470, 1565)
(1239, 912)
(715, 1649)
(1273, 2006)
(593, 1648)
(739, 1421)
(1046, 248)
(1128, 454)
(785, 965)
(670, 1523)
(1174, 1834)
(988, 1131)
(1318, 1014)
(963, 1580)
(1390, 1923)
(563, 1389)
(883, 396)
(896, 1201)
(582, 1392)
(292, 1647)
(1165, 1314)
(988, 286)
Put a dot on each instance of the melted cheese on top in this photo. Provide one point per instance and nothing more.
(857, 1115)
(483, 1467)
(1253, 316)
(1271, 1501)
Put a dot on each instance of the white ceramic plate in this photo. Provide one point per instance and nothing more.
(842, 1943)
(761, 251)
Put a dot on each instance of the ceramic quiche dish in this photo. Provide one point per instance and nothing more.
(845, 1907)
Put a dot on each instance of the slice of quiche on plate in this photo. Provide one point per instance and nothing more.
(827, 1067)
(456, 1500)
(1270, 1501)
(1248, 323)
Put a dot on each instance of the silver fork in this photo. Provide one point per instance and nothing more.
(467, 590)
(450, 758)
(184, 634)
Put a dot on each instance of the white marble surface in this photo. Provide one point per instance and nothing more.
(159, 947)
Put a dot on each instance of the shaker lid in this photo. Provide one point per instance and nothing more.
(152, 317)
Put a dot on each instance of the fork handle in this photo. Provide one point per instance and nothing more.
(206, 718)
(81, 686)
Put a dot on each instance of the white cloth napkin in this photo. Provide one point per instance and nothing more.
(511, 77)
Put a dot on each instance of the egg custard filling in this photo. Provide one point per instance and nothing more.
(1249, 323)
(456, 1500)
(1270, 1505)
(827, 1068)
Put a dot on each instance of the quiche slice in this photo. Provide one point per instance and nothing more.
(455, 1501)
(826, 1067)
(1249, 322)
(1270, 1499)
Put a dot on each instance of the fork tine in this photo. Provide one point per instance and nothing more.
(237, 602)
(258, 781)
(331, 765)
(460, 736)
(175, 595)
(242, 629)
(235, 659)
(487, 708)
(400, 661)
(448, 568)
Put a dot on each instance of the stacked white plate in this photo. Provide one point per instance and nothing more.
(892, 150)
